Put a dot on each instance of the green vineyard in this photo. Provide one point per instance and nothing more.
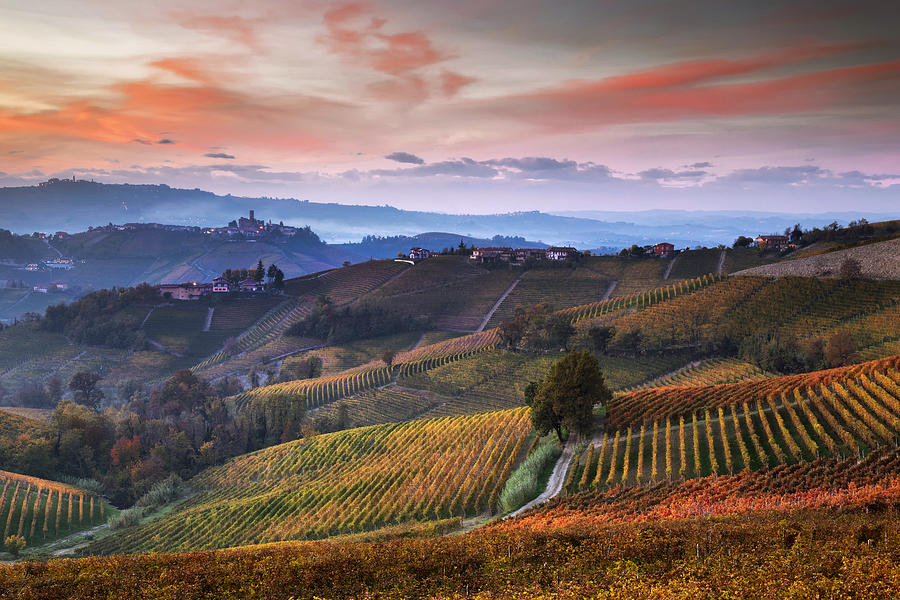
(39, 510)
(344, 482)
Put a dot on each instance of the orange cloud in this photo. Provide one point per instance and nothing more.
(350, 36)
(452, 82)
(696, 89)
(199, 115)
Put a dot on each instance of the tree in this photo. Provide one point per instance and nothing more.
(567, 396)
(841, 349)
(742, 241)
(851, 269)
(388, 357)
(260, 272)
(278, 282)
(84, 386)
(600, 337)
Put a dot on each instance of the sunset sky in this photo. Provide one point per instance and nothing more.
(463, 106)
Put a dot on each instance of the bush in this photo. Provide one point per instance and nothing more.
(15, 544)
(90, 485)
(162, 493)
(522, 485)
(126, 518)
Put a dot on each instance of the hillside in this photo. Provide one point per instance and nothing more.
(339, 483)
(877, 261)
(41, 511)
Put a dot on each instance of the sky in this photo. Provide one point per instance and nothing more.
(463, 106)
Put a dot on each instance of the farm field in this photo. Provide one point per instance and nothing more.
(353, 354)
(695, 263)
(710, 371)
(740, 307)
(240, 313)
(738, 259)
(179, 328)
(344, 482)
(347, 283)
(380, 405)
(41, 511)
(561, 287)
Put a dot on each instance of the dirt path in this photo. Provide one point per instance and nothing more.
(144, 322)
(75, 536)
(649, 383)
(52, 247)
(609, 290)
(721, 261)
(669, 268)
(418, 343)
(162, 348)
(556, 481)
(497, 304)
(209, 316)
(19, 301)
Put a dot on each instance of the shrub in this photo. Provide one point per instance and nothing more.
(126, 518)
(522, 485)
(162, 493)
(15, 544)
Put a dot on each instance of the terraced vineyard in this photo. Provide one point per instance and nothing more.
(596, 310)
(323, 390)
(741, 307)
(336, 359)
(648, 405)
(738, 259)
(830, 482)
(708, 372)
(848, 415)
(432, 274)
(240, 313)
(695, 263)
(561, 287)
(382, 405)
(38, 509)
(343, 482)
(347, 283)
(635, 275)
(268, 329)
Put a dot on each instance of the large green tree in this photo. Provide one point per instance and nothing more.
(567, 396)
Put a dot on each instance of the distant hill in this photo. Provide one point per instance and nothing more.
(74, 205)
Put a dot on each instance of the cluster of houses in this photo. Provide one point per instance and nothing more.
(47, 288)
(774, 242)
(55, 264)
(193, 290)
(251, 227)
(520, 255)
(245, 226)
